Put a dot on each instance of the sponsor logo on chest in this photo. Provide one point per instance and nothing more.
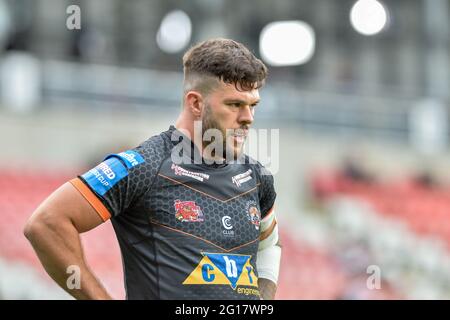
(188, 211)
(234, 270)
(253, 214)
(241, 178)
(226, 222)
(179, 171)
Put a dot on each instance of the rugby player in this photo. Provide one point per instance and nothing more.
(187, 229)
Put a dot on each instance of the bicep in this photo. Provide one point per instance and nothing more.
(68, 204)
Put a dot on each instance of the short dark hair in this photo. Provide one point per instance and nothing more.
(225, 60)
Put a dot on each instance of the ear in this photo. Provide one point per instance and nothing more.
(194, 102)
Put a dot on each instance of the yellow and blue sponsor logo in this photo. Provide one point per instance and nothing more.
(227, 269)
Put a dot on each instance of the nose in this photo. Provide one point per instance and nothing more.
(246, 115)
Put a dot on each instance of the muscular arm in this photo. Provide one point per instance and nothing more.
(268, 258)
(268, 288)
(54, 232)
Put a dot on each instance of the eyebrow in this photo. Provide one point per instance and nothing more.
(240, 101)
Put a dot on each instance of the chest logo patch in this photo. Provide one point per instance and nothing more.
(179, 171)
(253, 214)
(188, 211)
(239, 179)
(226, 222)
(225, 269)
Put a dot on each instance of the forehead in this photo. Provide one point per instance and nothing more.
(226, 91)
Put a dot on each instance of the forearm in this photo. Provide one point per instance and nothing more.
(268, 265)
(267, 289)
(58, 246)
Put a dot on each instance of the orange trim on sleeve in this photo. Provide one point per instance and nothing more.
(99, 207)
(269, 231)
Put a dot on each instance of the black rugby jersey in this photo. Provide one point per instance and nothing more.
(185, 230)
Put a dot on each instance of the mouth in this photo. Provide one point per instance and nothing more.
(239, 135)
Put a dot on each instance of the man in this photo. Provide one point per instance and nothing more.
(192, 221)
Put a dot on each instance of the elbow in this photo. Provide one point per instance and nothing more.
(32, 228)
(37, 225)
(27, 230)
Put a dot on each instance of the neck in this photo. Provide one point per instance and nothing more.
(186, 124)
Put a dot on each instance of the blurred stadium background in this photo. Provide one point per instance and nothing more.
(358, 89)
